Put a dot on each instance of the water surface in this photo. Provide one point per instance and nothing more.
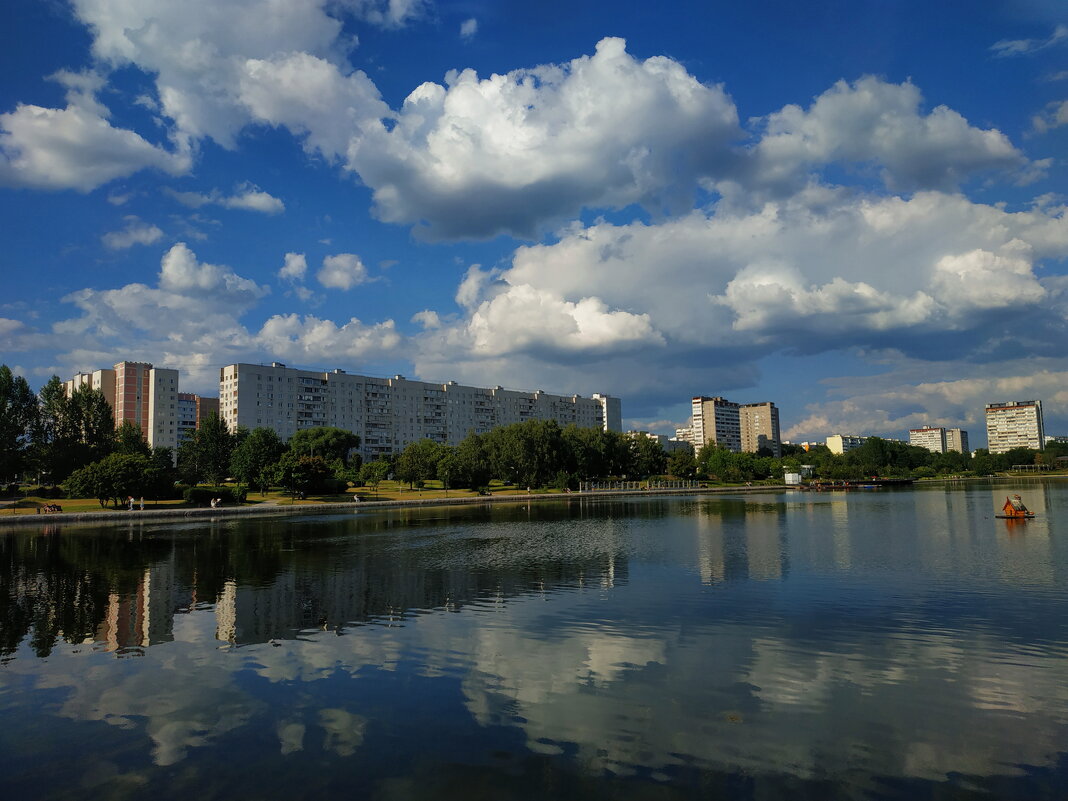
(883, 645)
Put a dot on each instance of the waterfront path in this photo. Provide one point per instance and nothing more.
(276, 509)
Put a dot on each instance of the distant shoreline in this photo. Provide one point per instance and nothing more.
(124, 516)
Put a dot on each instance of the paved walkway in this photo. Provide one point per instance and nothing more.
(274, 508)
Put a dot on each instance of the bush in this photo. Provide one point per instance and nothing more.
(201, 496)
(11, 491)
(334, 486)
(44, 492)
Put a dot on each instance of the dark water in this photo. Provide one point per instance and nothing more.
(883, 645)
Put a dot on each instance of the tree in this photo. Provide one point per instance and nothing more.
(301, 473)
(92, 425)
(528, 454)
(115, 478)
(53, 439)
(649, 456)
(18, 417)
(472, 466)
(130, 439)
(325, 441)
(253, 461)
(419, 462)
(682, 464)
(213, 446)
(374, 473)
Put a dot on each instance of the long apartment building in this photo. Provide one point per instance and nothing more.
(1014, 424)
(747, 427)
(388, 414)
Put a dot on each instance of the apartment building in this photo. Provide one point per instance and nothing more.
(933, 438)
(390, 413)
(716, 420)
(193, 410)
(1014, 424)
(957, 440)
(759, 423)
(841, 443)
(140, 393)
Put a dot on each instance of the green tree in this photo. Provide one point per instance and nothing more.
(92, 425)
(129, 438)
(682, 464)
(18, 418)
(472, 468)
(374, 473)
(254, 459)
(418, 462)
(325, 441)
(213, 445)
(301, 474)
(528, 454)
(114, 478)
(53, 440)
(649, 456)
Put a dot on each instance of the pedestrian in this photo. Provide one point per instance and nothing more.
(142, 503)
(212, 503)
(130, 499)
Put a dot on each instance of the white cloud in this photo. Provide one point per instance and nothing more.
(74, 148)
(1020, 47)
(468, 28)
(478, 157)
(874, 122)
(246, 196)
(136, 232)
(343, 271)
(1053, 116)
(311, 339)
(294, 268)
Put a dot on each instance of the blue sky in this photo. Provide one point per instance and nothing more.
(854, 209)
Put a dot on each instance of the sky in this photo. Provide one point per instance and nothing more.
(853, 208)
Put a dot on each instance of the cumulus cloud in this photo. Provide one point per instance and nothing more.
(294, 267)
(136, 232)
(879, 123)
(468, 28)
(246, 196)
(479, 157)
(311, 339)
(343, 271)
(76, 147)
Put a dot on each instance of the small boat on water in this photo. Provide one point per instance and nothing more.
(1014, 509)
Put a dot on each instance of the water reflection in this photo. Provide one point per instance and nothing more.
(830, 646)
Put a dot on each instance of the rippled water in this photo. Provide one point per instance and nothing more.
(884, 645)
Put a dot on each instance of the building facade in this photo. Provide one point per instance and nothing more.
(957, 440)
(140, 393)
(388, 414)
(759, 424)
(1014, 424)
(193, 410)
(840, 443)
(716, 420)
(933, 438)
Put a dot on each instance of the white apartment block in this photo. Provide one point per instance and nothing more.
(840, 443)
(957, 440)
(932, 438)
(716, 420)
(759, 424)
(1014, 424)
(388, 414)
(669, 444)
(140, 393)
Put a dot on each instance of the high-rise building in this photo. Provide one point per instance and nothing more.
(716, 420)
(933, 438)
(192, 411)
(1014, 424)
(140, 393)
(390, 413)
(957, 440)
(760, 428)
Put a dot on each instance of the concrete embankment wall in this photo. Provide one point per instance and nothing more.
(125, 516)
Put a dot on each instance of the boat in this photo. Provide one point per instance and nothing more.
(1014, 509)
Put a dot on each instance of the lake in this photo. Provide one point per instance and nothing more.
(898, 644)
